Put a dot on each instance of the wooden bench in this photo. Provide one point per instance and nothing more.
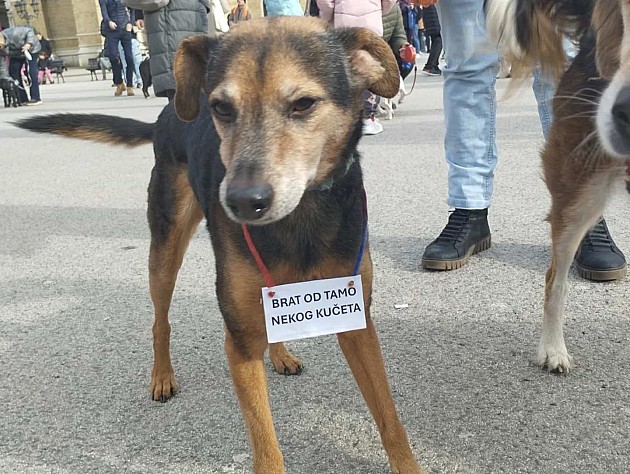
(58, 66)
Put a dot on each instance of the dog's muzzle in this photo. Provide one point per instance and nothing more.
(249, 201)
(621, 121)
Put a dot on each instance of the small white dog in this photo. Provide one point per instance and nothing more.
(385, 108)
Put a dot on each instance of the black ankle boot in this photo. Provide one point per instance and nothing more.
(466, 234)
(598, 258)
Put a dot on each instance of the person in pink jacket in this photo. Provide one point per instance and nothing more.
(364, 14)
(355, 13)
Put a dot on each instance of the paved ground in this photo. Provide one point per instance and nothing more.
(75, 313)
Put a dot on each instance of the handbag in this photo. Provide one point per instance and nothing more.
(146, 5)
(220, 20)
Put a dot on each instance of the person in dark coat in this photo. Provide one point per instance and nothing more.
(43, 61)
(432, 30)
(118, 23)
(165, 28)
(46, 46)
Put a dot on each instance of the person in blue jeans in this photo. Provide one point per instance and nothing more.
(117, 30)
(471, 152)
(137, 59)
(411, 14)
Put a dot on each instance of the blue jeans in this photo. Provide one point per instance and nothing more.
(415, 38)
(137, 59)
(470, 103)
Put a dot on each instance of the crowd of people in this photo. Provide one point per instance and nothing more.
(472, 64)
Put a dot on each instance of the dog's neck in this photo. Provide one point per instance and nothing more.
(328, 184)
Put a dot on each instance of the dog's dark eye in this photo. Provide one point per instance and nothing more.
(223, 111)
(303, 106)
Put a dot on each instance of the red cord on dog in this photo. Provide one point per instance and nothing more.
(259, 262)
(263, 269)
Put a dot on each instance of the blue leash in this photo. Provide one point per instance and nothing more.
(364, 234)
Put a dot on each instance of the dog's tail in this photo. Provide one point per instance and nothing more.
(93, 127)
(530, 33)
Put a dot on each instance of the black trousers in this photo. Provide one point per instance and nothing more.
(435, 51)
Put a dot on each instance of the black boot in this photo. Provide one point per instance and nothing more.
(598, 258)
(466, 234)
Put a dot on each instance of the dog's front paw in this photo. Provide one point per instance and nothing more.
(163, 385)
(555, 359)
(283, 361)
(407, 467)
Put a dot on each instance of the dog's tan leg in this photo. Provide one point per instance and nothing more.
(250, 383)
(363, 353)
(568, 226)
(174, 215)
(283, 361)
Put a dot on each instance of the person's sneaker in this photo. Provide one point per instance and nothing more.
(371, 126)
(130, 91)
(431, 71)
(598, 258)
(120, 88)
(466, 234)
(34, 102)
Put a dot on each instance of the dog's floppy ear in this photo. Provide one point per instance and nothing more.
(190, 73)
(373, 64)
(608, 25)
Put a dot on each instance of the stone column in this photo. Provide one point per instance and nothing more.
(73, 26)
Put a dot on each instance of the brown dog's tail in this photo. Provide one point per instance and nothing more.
(530, 33)
(93, 127)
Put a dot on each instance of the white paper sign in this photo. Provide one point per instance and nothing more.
(313, 308)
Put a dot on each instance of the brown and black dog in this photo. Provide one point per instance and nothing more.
(588, 148)
(263, 131)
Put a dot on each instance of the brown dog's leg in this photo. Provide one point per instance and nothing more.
(552, 351)
(569, 225)
(250, 383)
(283, 361)
(363, 353)
(174, 215)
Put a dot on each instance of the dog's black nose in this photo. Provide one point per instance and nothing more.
(621, 113)
(249, 202)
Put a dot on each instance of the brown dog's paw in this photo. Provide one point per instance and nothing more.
(163, 385)
(283, 361)
(411, 468)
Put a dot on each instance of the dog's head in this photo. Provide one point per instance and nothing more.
(611, 22)
(285, 96)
